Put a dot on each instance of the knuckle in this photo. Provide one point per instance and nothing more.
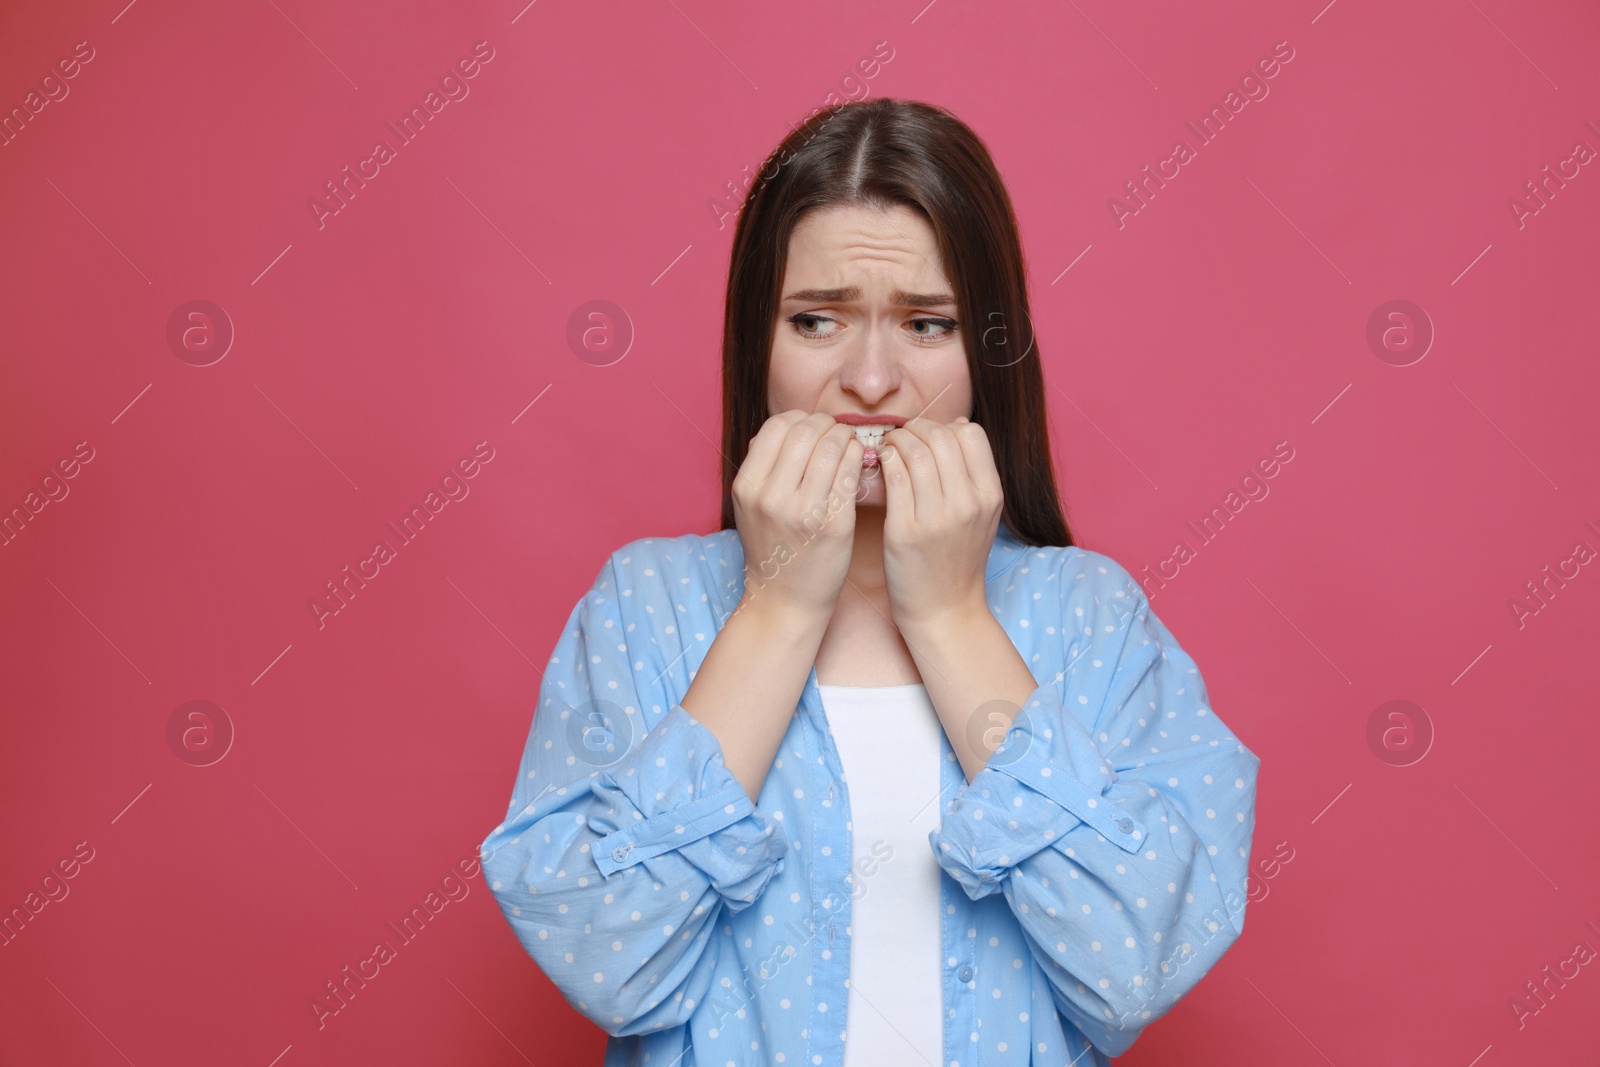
(779, 424)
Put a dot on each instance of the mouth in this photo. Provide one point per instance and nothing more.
(871, 438)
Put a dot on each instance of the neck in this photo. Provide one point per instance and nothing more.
(866, 558)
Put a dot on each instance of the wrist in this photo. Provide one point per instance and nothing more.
(953, 623)
(774, 613)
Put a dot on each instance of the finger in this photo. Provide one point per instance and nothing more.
(847, 480)
(762, 454)
(822, 466)
(899, 497)
(980, 462)
(794, 456)
(922, 469)
(959, 492)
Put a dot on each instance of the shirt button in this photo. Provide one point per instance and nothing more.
(1125, 825)
(965, 974)
(620, 853)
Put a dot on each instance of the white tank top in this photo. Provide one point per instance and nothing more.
(889, 743)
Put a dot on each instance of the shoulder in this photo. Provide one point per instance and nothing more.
(1095, 589)
(1077, 573)
(699, 566)
(1045, 590)
(1083, 568)
(671, 595)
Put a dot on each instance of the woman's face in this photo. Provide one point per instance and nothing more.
(866, 324)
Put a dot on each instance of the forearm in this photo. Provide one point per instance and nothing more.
(747, 687)
(975, 678)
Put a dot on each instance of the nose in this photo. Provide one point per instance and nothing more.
(870, 367)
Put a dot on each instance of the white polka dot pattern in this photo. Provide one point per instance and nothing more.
(1094, 871)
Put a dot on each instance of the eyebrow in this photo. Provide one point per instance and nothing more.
(899, 298)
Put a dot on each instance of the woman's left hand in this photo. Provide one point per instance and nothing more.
(944, 502)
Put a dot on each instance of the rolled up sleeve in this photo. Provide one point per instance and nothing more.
(673, 793)
(1046, 780)
(1116, 816)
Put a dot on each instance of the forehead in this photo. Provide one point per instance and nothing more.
(843, 238)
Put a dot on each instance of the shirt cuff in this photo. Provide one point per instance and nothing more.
(673, 792)
(1044, 781)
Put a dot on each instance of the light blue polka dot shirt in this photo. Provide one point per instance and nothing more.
(1093, 871)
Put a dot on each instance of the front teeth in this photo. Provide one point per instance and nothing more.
(871, 437)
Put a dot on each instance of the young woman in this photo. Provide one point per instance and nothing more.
(886, 770)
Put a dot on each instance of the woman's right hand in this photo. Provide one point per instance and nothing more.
(794, 503)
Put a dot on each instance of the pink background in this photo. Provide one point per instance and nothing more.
(371, 755)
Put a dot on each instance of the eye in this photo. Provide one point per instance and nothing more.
(804, 325)
(937, 328)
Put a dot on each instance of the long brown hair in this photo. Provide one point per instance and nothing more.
(890, 152)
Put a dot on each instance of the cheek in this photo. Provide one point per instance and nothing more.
(948, 375)
(795, 377)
